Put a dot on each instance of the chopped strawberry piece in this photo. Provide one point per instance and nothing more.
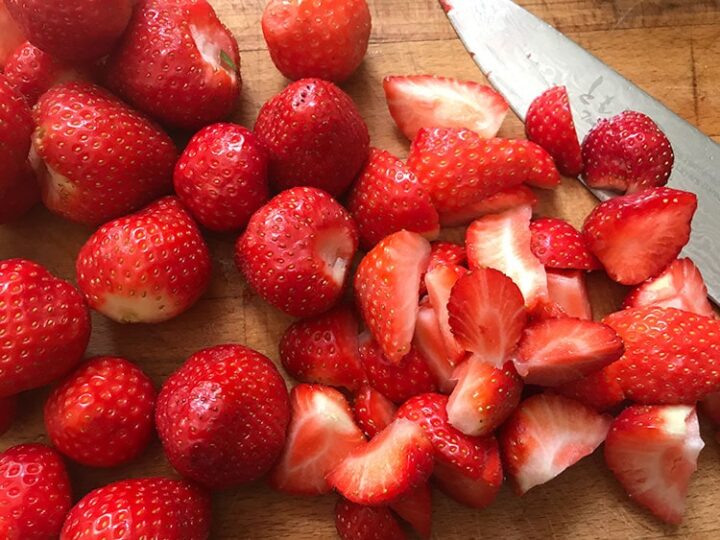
(568, 291)
(431, 345)
(443, 253)
(415, 507)
(494, 204)
(542, 173)
(357, 522)
(373, 411)
(439, 282)
(600, 390)
(473, 492)
(557, 244)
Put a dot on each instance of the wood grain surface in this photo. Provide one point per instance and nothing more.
(669, 47)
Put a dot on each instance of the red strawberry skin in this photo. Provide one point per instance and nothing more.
(8, 408)
(315, 136)
(102, 414)
(221, 176)
(373, 411)
(178, 63)
(87, 176)
(35, 492)
(49, 321)
(326, 39)
(600, 390)
(557, 244)
(357, 522)
(179, 509)
(222, 416)
(146, 267)
(494, 204)
(16, 120)
(296, 251)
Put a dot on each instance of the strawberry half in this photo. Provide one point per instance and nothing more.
(358, 522)
(439, 282)
(637, 236)
(546, 435)
(320, 435)
(600, 390)
(494, 204)
(415, 507)
(428, 101)
(373, 411)
(568, 291)
(398, 459)
(557, 244)
(653, 451)
(430, 344)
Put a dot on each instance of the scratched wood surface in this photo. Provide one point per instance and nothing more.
(669, 47)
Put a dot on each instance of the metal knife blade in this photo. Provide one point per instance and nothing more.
(522, 56)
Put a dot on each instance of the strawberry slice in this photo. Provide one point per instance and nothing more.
(502, 241)
(568, 291)
(443, 253)
(494, 204)
(397, 460)
(357, 522)
(431, 345)
(373, 411)
(324, 350)
(557, 351)
(680, 286)
(637, 236)
(387, 284)
(600, 390)
(543, 173)
(420, 101)
(487, 314)
(415, 507)
(439, 282)
(546, 435)
(557, 244)
(653, 451)
(321, 434)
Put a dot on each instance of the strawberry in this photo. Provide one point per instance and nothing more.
(549, 123)
(19, 193)
(178, 63)
(443, 253)
(221, 176)
(87, 176)
(546, 435)
(357, 522)
(321, 434)
(387, 198)
(141, 508)
(396, 460)
(637, 236)
(465, 489)
(557, 351)
(102, 414)
(627, 152)
(484, 396)
(439, 282)
(324, 349)
(671, 356)
(428, 101)
(398, 382)
(494, 204)
(10, 35)
(78, 31)
(502, 241)
(542, 170)
(652, 451)
(35, 492)
(296, 251)
(8, 409)
(387, 282)
(600, 390)
(326, 39)
(373, 411)
(315, 135)
(17, 125)
(415, 507)
(567, 291)
(679, 286)
(430, 343)
(557, 244)
(146, 267)
(49, 324)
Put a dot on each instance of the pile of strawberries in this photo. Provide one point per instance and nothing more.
(460, 364)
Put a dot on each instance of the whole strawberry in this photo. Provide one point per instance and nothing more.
(296, 251)
(326, 39)
(315, 135)
(102, 159)
(178, 63)
(16, 125)
(141, 508)
(146, 267)
(222, 176)
(222, 416)
(46, 324)
(35, 493)
(102, 414)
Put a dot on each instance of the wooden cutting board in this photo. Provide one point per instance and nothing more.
(669, 47)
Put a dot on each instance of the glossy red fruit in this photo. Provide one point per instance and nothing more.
(222, 416)
(315, 135)
(86, 175)
(557, 244)
(35, 492)
(430, 343)
(19, 194)
(600, 390)
(48, 322)
(17, 125)
(102, 414)
(415, 507)
(568, 291)
(10, 35)
(373, 411)
(439, 283)
(358, 522)
(146, 267)
(178, 63)
(8, 409)
(221, 176)
(543, 173)
(296, 251)
(180, 510)
(494, 204)
(443, 253)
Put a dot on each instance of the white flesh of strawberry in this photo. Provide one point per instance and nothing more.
(210, 50)
(429, 341)
(143, 307)
(334, 247)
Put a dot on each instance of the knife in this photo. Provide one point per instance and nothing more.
(522, 56)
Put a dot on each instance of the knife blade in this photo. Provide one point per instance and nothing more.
(522, 56)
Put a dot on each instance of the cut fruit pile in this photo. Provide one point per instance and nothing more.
(449, 365)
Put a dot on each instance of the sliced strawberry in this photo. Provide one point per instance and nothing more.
(373, 411)
(494, 204)
(543, 173)
(357, 522)
(600, 390)
(568, 291)
(653, 451)
(415, 507)
(431, 345)
(387, 284)
(472, 492)
(637, 236)
(443, 253)
(557, 244)
(546, 435)
(439, 282)
(427, 101)
(397, 460)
